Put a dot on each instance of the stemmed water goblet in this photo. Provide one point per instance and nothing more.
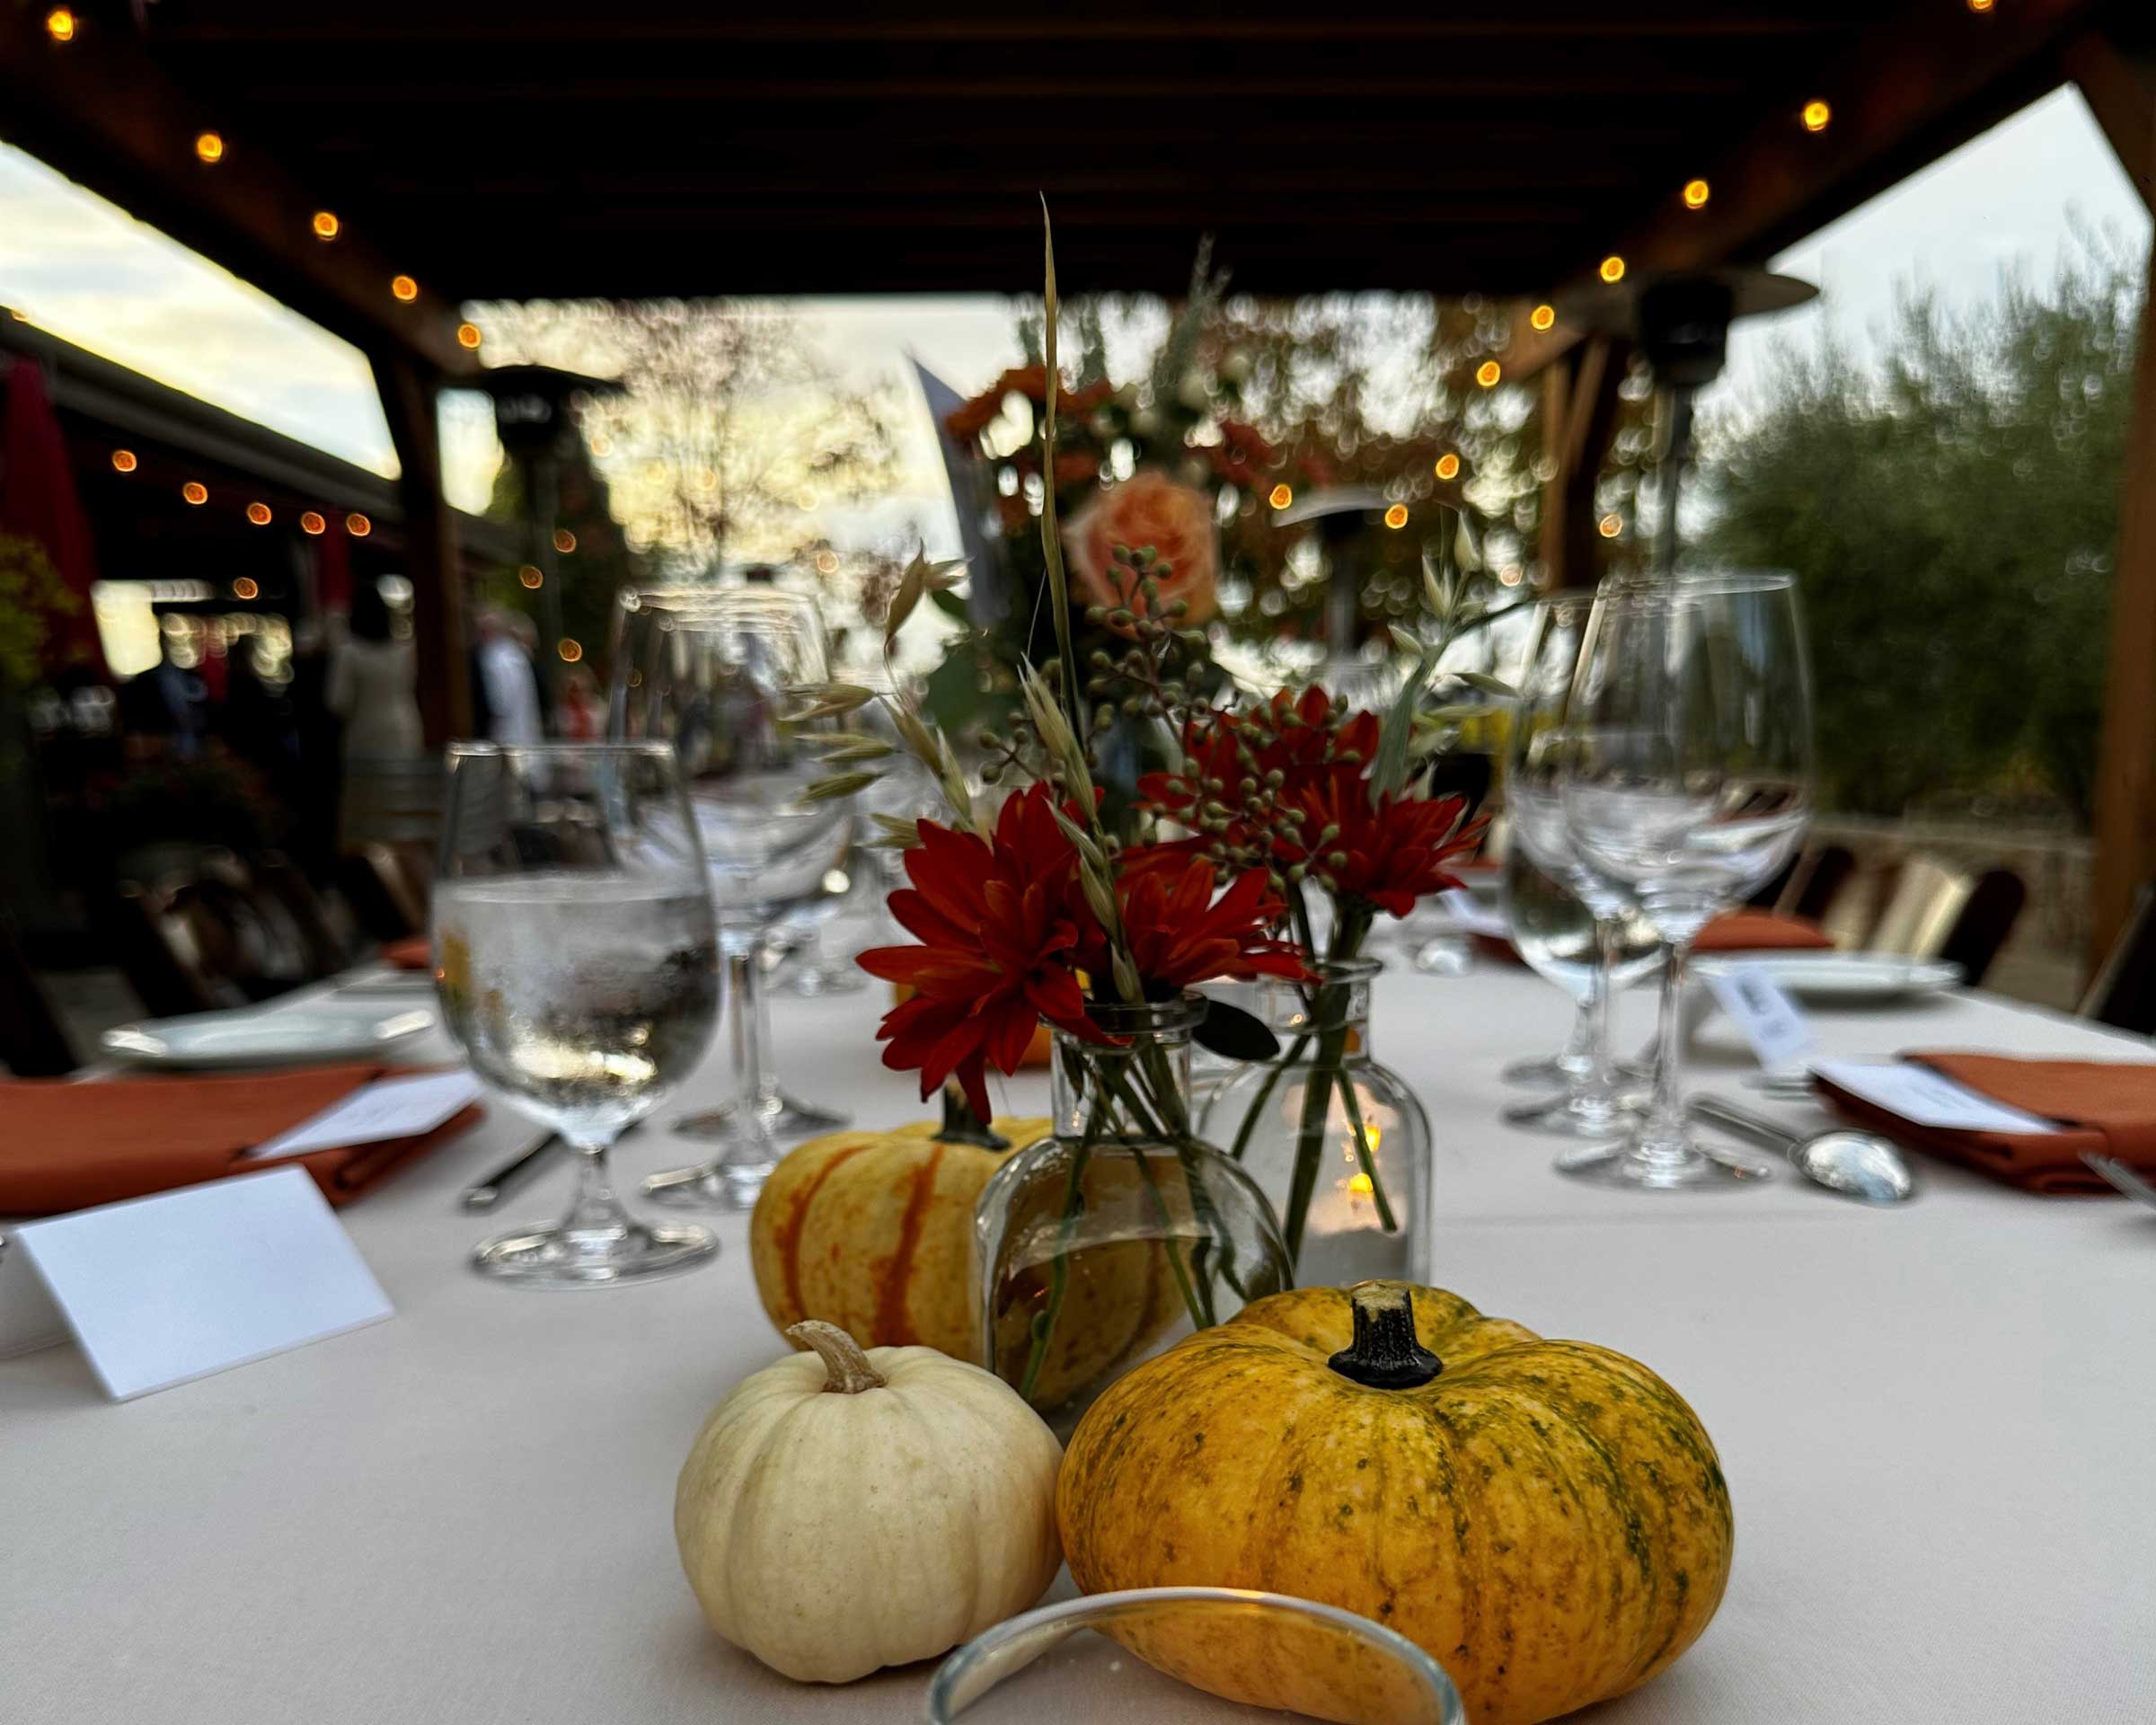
(720, 673)
(575, 958)
(1572, 927)
(1685, 780)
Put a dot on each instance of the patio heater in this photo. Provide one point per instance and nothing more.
(1682, 325)
(534, 419)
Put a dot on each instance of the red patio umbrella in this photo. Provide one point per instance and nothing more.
(37, 500)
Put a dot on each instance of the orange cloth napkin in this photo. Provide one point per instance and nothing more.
(1761, 931)
(2108, 1106)
(66, 1146)
(415, 952)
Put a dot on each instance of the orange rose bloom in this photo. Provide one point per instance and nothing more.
(1148, 509)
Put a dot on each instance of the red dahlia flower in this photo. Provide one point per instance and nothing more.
(997, 935)
(1306, 747)
(1388, 855)
(1179, 935)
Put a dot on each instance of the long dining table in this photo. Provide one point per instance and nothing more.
(1936, 1423)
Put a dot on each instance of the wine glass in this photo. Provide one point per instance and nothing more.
(1571, 925)
(575, 958)
(718, 672)
(1685, 779)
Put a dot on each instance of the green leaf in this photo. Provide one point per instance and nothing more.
(949, 604)
(844, 784)
(1487, 684)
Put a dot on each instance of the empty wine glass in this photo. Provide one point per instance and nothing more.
(1685, 779)
(718, 673)
(1571, 925)
(576, 962)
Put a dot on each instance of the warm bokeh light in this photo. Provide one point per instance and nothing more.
(565, 541)
(312, 523)
(59, 25)
(1696, 193)
(1448, 465)
(123, 461)
(1980, 5)
(210, 146)
(1543, 317)
(1281, 496)
(1613, 269)
(326, 224)
(195, 492)
(403, 288)
(259, 513)
(467, 335)
(826, 562)
(571, 649)
(358, 525)
(245, 589)
(1610, 526)
(1511, 575)
(1397, 515)
(530, 576)
(1488, 373)
(1816, 114)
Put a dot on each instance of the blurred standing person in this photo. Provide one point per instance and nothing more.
(371, 689)
(511, 685)
(582, 719)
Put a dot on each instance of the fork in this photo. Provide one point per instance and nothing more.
(2117, 1173)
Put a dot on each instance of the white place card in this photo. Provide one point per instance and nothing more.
(1774, 1025)
(389, 1107)
(1927, 1098)
(159, 1290)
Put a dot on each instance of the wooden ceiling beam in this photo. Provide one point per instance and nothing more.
(2116, 69)
(100, 112)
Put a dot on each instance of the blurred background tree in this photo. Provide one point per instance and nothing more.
(1950, 508)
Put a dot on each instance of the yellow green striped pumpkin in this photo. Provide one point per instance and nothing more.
(1547, 1519)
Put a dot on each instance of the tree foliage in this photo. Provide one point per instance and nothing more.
(1950, 508)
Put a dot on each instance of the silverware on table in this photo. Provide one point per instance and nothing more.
(1855, 1164)
(2117, 1174)
(511, 1175)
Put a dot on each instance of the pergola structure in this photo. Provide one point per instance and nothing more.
(374, 166)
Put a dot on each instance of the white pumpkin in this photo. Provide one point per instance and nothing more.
(841, 1512)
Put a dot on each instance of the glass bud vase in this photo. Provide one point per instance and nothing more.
(1098, 1247)
(1339, 1143)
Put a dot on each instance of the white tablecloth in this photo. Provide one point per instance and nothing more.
(1937, 1423)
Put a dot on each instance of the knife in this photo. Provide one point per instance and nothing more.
(511, 1175)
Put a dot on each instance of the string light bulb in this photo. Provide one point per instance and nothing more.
(210, 147)
(531, 576)
(1816, 115)
(195, 492)
(312, 523)
(571, 649)
(59, 25)
(1448, 465)
(245, 589)
(326, 225)
(1543, 317)
(1980, 6)
(1696, 193)
(826, 562)
(1610, 526)
(358, 525)
(565, 541)
(1612, 269)
(259, 513)
(1396, 516)
(1281, 496)
(124, 462)
(403, 288)
(467, 335)
(1488, 373)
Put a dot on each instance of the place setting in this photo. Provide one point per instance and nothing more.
(1217, 931)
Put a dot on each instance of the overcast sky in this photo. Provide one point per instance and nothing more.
(80, 268)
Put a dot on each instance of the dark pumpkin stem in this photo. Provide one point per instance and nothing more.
(961, 1124)
(1384, 1354)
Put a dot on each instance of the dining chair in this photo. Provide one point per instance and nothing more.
(1987, 917)
(33, 1042)
(1920, 908)
(2123, 992)
(1815, 890)
(204, 937)
(388, 903)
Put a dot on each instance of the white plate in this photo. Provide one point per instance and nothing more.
(266, 1037)
(1829, 977)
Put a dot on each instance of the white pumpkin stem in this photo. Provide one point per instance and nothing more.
(849, 1369)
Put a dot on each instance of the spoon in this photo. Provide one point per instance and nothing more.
(1856, 1164)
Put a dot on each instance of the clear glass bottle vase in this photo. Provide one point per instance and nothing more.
(1339, 1143)
(1098, 1247)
